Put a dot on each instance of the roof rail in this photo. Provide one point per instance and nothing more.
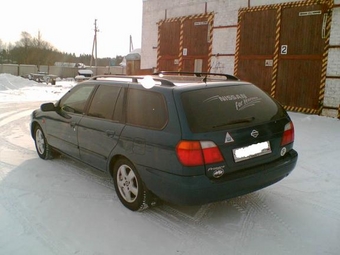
(199, 74)
(163, 82)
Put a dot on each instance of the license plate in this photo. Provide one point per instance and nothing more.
(251, 151)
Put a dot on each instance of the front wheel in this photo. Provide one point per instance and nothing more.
(41, 145)
(129, 186)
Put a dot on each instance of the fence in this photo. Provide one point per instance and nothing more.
(60, 71)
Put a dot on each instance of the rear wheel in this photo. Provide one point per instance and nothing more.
(43, 148)
(129, 186)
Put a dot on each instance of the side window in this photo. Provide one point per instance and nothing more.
(103, 102)
(146, 109)
(75, 100)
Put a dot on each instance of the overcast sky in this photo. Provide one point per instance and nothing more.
(69, 24)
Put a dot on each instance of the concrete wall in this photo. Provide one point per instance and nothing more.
(9, 68)
(224, 36)
(62, 72)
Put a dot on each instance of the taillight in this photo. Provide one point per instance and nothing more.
(288, 134)
(197, 153)
(211, 153)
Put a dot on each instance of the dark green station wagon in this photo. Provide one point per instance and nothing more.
(187, 138)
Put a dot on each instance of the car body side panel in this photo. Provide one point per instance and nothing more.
(97, 138)
(150, 148)
(61, 132)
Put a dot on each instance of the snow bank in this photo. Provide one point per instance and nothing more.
(18, 89)
(11, 82)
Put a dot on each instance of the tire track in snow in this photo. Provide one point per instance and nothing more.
(5, 144)
(254, 205)
(192, 231)
(14, 132)
(317, 204)
(7, 113)
(13, 117)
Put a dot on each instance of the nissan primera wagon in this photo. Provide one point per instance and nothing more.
(187, 139)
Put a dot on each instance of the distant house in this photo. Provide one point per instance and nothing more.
(132, 62)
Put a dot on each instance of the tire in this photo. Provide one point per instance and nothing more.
(129, 186)
(43, 148)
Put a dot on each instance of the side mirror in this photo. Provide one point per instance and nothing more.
(48, 107)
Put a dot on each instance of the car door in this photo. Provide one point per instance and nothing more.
(62, 126)
(100, 128)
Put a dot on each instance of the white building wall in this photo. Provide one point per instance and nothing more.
(332, 89)
(224, 36)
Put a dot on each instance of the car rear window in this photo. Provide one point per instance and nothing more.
(217, 108)
(146, 109)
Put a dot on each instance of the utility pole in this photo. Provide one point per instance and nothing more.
(94, 45)
(131, 44)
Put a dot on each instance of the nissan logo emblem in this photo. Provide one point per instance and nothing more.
(254, 133)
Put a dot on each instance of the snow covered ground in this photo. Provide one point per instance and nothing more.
(63, 207)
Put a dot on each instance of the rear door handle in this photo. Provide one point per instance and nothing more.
(73, 125)
(110, 133)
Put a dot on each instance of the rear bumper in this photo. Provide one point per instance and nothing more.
(196, 190)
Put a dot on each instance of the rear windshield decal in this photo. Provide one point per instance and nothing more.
(242, 101)
(245, 103)
(226, 98)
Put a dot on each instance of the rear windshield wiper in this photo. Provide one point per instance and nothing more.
(237, 121)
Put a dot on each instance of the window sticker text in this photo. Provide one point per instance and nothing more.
(241, 100)
(226, 98)
(245, 103)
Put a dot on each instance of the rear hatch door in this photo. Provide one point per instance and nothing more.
(243, 121)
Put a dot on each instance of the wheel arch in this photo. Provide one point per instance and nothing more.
(114, 160)
(34, 124)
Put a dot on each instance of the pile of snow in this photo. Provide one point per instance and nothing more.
(11, 82)
(16, 88)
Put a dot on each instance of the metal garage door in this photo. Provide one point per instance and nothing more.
(168, 45)
(185, 43)
(257, 47)
(283, 49)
